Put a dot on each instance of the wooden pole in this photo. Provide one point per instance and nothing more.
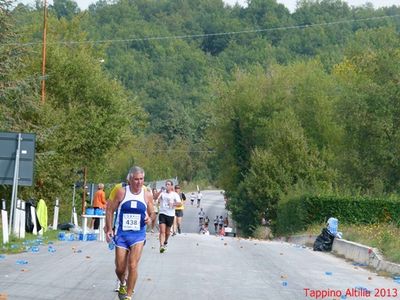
(44, 52)
(84, 190)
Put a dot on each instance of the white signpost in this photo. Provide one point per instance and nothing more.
(33, 214)
(17, 216)
(74, 216)
(55, 216)
(22, 215)
(4, 221)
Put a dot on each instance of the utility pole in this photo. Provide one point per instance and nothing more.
(84, 190)
(44, 51)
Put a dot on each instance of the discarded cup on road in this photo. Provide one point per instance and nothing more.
(34, 249)
(61, 236)
(21, 262)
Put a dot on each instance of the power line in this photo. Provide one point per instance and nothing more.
(174, 151)
(194, 36)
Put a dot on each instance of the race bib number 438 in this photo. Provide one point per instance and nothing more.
(131, 222)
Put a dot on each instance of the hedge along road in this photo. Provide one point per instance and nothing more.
(194, 267)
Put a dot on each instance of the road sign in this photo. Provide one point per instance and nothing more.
(8, 154)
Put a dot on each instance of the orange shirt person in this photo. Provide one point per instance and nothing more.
(99, 201)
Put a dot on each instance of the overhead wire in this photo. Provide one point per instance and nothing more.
(193, 36)
(175, 151)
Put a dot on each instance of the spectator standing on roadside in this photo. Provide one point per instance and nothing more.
(99, 202)
(226, 222)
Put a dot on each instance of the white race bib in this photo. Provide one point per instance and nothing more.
(131, 222)
(168, 204)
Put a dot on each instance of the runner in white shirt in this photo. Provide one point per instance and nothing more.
(199, 197)
(168, 201)
(201, 216)
(192, 198)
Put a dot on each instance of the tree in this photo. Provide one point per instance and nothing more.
(65, 8)
(369, 110)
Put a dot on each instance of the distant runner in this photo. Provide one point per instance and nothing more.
(179, 210)
(199, 197)
(192, 197)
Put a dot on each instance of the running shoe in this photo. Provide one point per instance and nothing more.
(127, 298)
(162, 249)
(122, 292)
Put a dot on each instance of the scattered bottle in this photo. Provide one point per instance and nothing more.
(21, 262)
(34, 249)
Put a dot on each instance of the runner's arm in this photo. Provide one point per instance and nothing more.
(151, 215)
(110, 209)
(177, 201)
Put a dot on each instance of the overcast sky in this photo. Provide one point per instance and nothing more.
(290, 4)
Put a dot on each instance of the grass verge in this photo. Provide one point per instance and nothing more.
(17, 245)
(384, 237)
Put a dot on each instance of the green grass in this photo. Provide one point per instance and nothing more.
(384, 237)
(17, 245)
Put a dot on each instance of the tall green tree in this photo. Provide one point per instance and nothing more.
(65, 8)
(369, 110)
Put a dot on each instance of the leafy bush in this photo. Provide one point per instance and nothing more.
(297, 213)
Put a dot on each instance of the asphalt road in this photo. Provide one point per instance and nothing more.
(195, 267)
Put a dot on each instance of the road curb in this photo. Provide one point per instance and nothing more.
(359, 253)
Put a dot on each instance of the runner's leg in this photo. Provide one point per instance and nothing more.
(121, 257)
(162, 234)
(134, 258)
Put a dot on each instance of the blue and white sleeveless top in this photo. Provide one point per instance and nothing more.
(131, 213)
